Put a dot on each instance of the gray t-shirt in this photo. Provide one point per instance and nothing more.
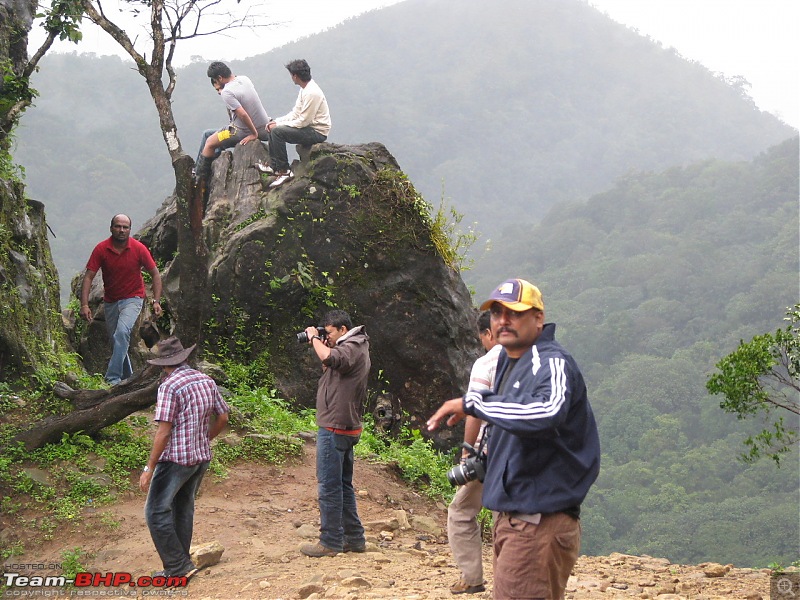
(240, 92)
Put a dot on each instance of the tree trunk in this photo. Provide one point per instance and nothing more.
(94, 409)
(192, 305)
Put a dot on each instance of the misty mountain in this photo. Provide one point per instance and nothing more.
(505, 110)
(652, 202)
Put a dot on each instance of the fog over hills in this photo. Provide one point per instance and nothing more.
(544, 102)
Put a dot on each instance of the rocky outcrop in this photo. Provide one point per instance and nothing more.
(30, 326)
(16, 18)
(349, 231)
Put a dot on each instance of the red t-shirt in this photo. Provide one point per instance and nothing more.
(122, 273)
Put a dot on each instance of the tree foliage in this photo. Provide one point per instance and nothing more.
(61, 20)
(762, 376)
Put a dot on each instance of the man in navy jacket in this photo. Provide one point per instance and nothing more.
(545, 449)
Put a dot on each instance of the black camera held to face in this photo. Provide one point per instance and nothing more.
(474, 467)
(302, 338)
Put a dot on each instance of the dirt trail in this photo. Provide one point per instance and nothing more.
(259, 513)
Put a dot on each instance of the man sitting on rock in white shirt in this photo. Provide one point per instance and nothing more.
(308, 123)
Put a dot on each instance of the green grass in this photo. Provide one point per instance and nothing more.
(417, 461)
(91, 471)
(72, 562)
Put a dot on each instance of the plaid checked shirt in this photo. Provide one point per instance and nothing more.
(186, 398)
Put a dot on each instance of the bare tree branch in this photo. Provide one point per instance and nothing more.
(156, 12)
(97, 17)
(33, 62)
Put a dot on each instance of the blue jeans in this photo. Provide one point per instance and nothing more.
(169, 513)
(339, 522)
(120, 319)
(207, 134)
(282, 134)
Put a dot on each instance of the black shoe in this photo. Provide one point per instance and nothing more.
(362, 547)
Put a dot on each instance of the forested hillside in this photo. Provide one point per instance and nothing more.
(543, 103)
(650, 284)
(651, 201)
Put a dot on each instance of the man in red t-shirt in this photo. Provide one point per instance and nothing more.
(122, 259)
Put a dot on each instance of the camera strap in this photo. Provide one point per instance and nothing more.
(482, 449)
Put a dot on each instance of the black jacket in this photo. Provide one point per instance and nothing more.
(544, 446)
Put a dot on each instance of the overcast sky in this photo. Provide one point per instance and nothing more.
(757, 39)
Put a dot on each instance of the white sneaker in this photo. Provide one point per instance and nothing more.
(264, 168)
(283, 177)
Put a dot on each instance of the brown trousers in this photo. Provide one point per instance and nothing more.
(534, 561)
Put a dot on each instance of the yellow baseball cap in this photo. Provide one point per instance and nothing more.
(517, 295)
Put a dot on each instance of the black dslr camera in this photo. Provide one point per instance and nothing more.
(302, 338)
(474, 467)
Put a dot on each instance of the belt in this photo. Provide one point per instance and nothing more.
(572, 511)
(346, 431)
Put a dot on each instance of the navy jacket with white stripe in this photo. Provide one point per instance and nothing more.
(544, 449)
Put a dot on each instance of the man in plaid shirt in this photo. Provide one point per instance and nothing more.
(181, 452)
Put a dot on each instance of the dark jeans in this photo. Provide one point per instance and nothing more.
(280, 135)
(169, 513)
(238, 135)
(207, 134)
(339, 522)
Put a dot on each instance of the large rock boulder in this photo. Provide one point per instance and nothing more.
(349, 231)
(31, 334)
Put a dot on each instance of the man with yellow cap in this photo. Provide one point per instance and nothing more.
(545, 449)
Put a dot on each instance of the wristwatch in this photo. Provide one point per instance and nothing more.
(316, 337)
(146, 469)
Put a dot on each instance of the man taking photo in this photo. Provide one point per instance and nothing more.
(341, 395)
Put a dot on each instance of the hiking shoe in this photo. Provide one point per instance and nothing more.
(317, 550)
(264, 168)
(462, 587)
(362, 547)
(282, 178)
(188, 575)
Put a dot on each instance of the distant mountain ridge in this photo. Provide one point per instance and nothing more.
(504, 112)
(656, 207)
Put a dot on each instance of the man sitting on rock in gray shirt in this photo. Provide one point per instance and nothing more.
(248, 118)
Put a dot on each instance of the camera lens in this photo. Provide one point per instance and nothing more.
(459, 475)
(302, 338)
(455, 476)
(473, 468)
